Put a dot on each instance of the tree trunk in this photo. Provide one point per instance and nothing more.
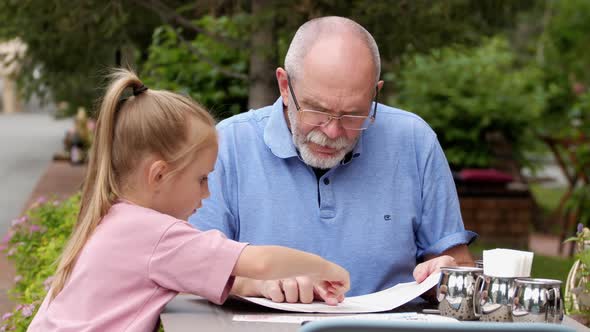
(263, 57)
(10, 96)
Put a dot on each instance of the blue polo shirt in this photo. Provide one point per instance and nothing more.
(377, 214)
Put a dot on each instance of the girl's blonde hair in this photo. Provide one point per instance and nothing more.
(161, 123)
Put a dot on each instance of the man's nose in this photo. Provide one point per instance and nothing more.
(333, 129)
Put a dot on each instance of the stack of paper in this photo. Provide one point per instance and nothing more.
(384, 300)
(507, 263)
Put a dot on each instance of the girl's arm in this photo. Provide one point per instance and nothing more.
(276, 262)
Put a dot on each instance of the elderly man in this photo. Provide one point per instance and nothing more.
(326, 169)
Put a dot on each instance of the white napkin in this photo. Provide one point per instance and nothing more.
(507, 263)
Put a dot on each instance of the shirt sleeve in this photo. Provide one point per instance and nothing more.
(441, 226)
(190, 261)
(216, 212)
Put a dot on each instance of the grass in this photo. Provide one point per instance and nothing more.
(547, 197)
(543, 266)
(551, 267)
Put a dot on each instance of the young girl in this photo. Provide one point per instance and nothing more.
(132, 250)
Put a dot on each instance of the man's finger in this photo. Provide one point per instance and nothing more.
(421, 272)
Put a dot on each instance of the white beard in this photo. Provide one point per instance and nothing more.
(341, 144)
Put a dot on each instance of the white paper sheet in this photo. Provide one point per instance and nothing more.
(384, 300)
(298, 319)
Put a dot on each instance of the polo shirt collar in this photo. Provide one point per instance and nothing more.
(277, 135)
(279, 139)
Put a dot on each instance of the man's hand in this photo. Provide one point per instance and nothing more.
(299, 289)
(455, 256)
(423, 270)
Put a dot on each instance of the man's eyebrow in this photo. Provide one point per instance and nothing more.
(314, 105)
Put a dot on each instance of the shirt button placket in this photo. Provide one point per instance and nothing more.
(327, 211)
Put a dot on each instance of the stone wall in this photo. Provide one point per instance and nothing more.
(500, 216)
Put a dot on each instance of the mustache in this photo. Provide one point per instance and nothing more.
(318, 137)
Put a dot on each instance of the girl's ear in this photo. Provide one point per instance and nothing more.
(156, 172)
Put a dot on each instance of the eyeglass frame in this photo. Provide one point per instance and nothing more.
(334, 117)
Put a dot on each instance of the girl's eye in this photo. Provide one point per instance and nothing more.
(204, 179)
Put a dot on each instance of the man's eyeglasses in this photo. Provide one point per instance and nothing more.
(320, 119)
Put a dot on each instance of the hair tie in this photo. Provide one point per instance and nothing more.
(139, 90)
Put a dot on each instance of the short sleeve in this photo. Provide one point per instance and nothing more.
(216, 212)
(190, 261)
(441, 225)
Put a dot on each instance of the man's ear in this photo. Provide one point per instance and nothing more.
(156, 172)
(283, 84)
(380, 85)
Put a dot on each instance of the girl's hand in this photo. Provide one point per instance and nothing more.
(333, 284)
(328, 286)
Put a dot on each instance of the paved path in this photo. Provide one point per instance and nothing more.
(27, 144)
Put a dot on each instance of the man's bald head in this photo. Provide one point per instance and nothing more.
(324, 28)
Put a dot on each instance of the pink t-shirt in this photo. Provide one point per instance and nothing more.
(137, 261)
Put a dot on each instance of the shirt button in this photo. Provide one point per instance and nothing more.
(326, 181)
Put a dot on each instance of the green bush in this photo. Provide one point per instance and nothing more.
(173, 65)
(577, 299)
(467, 94)
(34, 243)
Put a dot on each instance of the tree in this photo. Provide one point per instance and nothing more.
(210, 72)
(400, 27)
(263, 59)
(72, 44)
(471, 95)
(565, 57)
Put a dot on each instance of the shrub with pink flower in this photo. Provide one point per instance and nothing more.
(41, 200)
(47, 283)
(7, 237)
(27, 310)
(11, 252)
(19, 221)
(35, 228)
(33, 243)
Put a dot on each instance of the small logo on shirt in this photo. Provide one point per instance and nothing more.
(387, 217)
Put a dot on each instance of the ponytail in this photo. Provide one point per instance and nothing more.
(100, 188)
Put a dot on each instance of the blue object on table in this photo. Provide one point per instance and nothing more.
(344, 325)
